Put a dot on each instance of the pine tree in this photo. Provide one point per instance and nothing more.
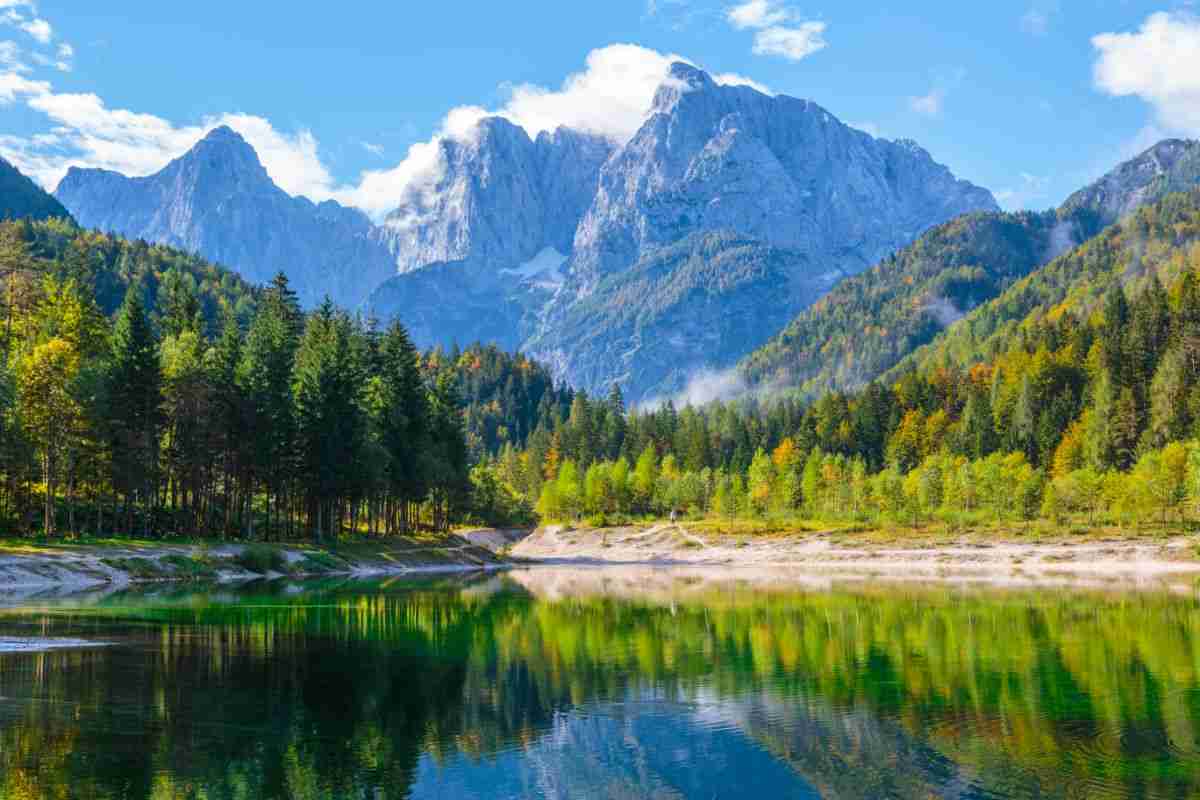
(265, 377)
(134, 394)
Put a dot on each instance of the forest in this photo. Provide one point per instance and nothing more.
(1072, 397)
(148, 393)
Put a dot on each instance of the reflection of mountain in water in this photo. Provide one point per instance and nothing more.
(640, 749)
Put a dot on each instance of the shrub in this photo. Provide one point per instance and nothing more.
(261, 559)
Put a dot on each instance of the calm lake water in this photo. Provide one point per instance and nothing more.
(606, 683)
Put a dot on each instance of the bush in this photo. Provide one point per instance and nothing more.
(261, 559)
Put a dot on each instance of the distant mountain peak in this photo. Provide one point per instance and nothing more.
(217, 199)
(1171, 165)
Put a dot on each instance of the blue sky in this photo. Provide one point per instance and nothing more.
(1030, 99)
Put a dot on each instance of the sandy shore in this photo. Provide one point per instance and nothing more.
(1013, 560)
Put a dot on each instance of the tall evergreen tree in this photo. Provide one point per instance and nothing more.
(134, 395)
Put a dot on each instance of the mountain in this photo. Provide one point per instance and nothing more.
(870, 322)
(692, 306)
(217, 200)
(777, 169)
(817, 199)
(1159, 240)
(21, 198)
(643, 263)
(498, 199)
(1172, 165)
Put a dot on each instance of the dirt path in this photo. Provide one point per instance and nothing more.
(675, 544)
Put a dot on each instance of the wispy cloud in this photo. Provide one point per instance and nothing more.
(933, 102)
(1031, 192)
(29, 22)
(929, 104)
(372, 148)
(757, 14)
(779, 31)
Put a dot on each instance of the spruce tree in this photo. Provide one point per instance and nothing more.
(134, 394)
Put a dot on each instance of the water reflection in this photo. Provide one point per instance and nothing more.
(603, 683)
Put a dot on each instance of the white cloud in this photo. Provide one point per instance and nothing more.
(13, 85)
(372, 148)
(791, 43)
(869, 128)
(1031, 192)
(10, 57)
(928, 104)
(610, 97)
(1160, 63)
(36, 27)
(757, 14)
(772, 37)
(88, 133)
(733, 79)
(39, 29)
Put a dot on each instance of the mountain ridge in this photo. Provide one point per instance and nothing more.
(218, 200)
(871, 322)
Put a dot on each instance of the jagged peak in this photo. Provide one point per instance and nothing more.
(691, 75)
(682, 78)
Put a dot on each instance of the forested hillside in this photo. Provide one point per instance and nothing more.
(147, 392)
(21, 198)
(870, 322)
(1075, 392)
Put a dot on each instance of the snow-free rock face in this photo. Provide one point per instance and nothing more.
(497, 198)
(778, 169)
(217, 200)
(642, 263)
(822, 200)
(1172, 165)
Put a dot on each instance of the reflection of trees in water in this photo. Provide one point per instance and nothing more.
(276, 701)
(339, 692)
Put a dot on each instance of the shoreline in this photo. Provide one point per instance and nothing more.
(673, 545)
(117, 563)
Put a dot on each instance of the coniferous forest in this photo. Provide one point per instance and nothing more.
(149, 393)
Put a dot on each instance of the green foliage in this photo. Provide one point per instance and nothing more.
(868, 322)
(261, 559)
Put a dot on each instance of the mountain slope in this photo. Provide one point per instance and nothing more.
(777, 173)
(217, 200)
(692, 306)
(499, 199)
(21, 198)
(777, 169)
(110, 264)
(1161, 239)
(870, 322)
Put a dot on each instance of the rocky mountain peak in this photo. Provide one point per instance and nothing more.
(682, 79)
(224, 158)
(1170, 165)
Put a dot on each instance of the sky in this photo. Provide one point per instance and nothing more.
(1031, 98)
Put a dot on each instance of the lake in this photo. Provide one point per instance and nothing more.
(604, 683)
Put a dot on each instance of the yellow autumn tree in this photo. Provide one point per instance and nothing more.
(50, 409)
